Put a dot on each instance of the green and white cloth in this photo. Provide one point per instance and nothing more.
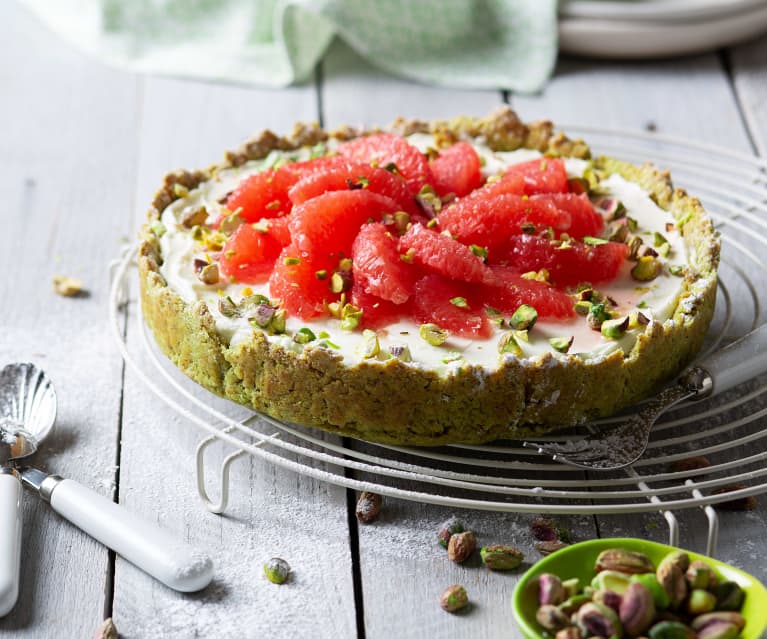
(477, 44)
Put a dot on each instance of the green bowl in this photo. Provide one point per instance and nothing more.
(578, 561)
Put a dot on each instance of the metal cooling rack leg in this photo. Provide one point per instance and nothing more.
(673, 523)
(713, 522)
(220, 507)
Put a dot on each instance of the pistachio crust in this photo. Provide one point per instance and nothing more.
(394, 402)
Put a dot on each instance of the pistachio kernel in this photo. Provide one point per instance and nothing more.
(593, 241)
(676, 269)
(158, 228)
(429, 201)
(597, 314)
(634, 244)
(195, 217)
(67, 286)
(646, 269)
(227, 307)
(340, 281)
(460, 302)
(637, 319)
(524, 317)
(209, 274)
(179, 190)
(232, 222)
(401, 221)
(617, 232)
(545, 548)
(370, 347)
(613, 209)
(659, 240)
(433, 334)
(304, 335)
(262, 226)
(277, 570)
(449, 528)
(350, 317)
(561, 344)
(647, 251)
(291, 261)
(401, 352)
(507, 343)
(321, 274)
(614, 328)
(454, 598)
(345, 264)
(582, 307)
(277, 324)
(479, 251)
(263, 315)
(528, 228)
(632, 224)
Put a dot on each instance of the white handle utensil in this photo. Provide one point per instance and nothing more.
(738, 362)
(10, 538)
(144, 544)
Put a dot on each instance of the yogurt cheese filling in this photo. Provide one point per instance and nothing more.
(655, 299)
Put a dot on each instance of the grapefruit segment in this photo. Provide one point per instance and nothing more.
(442, 254)
(547, 175)
(432, 304)
(377, 266)
(510, 290)
(387, 148)
(263, 194)
(456, 170)
(249, 254)
(295, 282)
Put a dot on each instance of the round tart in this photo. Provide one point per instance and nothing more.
(438, 282)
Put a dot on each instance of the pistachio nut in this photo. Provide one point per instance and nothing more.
(659, 594)
(729, 595)
(460, 546)
(454, 598)
(719, 630)
(646, 269)
(700, 601)
(544, 529)
(571, 605)
(671, 576)
(626, 561)
(277, 570)
(551, 618)
(599, 621)
(500, 557)
(572, 586)
(448, 529)
(569, 633)
(615, 328)
(678, 557)
(611, 580)
(671, 630)
(608, 598)
(721, 616)
(637, 609)
(700, 575)
(550, 590)
(548, 547)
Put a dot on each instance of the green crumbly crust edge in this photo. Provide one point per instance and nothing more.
(399, 403)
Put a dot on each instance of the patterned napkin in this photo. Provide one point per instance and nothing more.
(476, 44)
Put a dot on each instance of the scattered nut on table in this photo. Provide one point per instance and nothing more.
(461, 546)
(107, 630)
(368, 507)
(454, 598)
(277, 570)
(67, 286)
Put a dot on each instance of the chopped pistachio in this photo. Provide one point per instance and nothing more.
(318, 150)
(262, 226)
(561, 344)
(452, 357)
(646, 269)
(246, 292)
(214, 241)
(369, 347)
(360, 183)
(538, 276)
(642, 304)
(684, 219)
(345, 264)
(231, 222)
(262, 315)
(291, 261)
(578, 185)
(277, 325)
(209, 274)
(615, 328)
(304, 335)
(408, 257)
(67, 286)
(638, 319)
(350, 317)
(195, 217)
(460, 302)
(227, 307)
(326, 343)
(613, 209)
(492, 312)
(597, 315)
(432, 223)
(635, 244)
(479, 251)
(179, 190)
(401, 221)
(676, 269)
(158, 228)
(617, 232)
(593, 241)
(582, 307)
(429, 201)
(433, 334)
(340, 281)
(632, 224)
(323, 334)
(658, 240)
(321, 275)
(507, 343)
(524, 317)
(527, 227)
(401, 352)
(391, 167)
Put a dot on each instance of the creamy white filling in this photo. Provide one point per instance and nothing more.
(656, 299)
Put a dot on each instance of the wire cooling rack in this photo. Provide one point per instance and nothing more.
(728, 430)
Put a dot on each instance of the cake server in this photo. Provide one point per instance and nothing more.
(174, 563)
(622, 445)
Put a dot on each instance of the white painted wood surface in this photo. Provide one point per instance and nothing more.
(82, 147)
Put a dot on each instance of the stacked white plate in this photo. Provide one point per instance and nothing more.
(657, 28)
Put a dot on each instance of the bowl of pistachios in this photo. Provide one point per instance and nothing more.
(625, 588)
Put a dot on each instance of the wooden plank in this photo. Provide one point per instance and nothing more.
(750, 79)
(403, 569)
(273, 512)
(67, 127)
(689, 98)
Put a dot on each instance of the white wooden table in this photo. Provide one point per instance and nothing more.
(82, 148)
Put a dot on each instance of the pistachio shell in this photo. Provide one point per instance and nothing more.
(671, 630)
(637, 609)
(551, 618)
(599, 620)
(625, 561)
(550, 589)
